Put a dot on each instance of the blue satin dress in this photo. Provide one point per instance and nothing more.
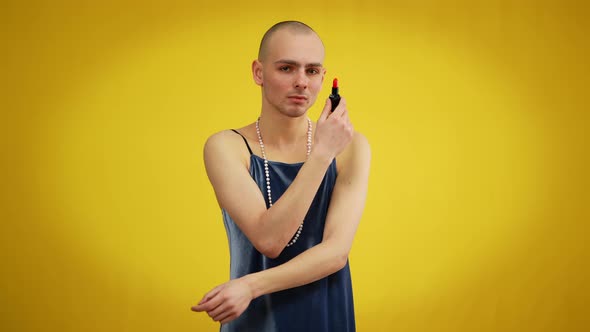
(325, 305)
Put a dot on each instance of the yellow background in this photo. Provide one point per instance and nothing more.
(477, 115)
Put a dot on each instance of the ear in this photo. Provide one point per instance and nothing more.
(324, 74)
(257, 72)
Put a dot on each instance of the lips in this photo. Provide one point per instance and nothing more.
(298, 98)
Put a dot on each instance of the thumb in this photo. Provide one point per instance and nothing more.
(326, 110)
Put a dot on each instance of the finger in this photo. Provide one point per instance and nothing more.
(209, 305)
(223, 316)
(340, 108)
(221, 312)
(326, 110)
(214, 303)
(343, 105)
(211, 294)
(228, 318)
(217, 311)
(344, 114)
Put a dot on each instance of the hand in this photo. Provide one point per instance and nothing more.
(333, 130)
(226, 302)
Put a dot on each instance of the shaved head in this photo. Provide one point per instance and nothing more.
(292, 26)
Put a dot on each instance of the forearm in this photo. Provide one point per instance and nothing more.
(313, 264)
(279, 223)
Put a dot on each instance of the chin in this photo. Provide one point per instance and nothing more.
(295, 112)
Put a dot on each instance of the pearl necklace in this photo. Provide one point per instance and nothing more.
(296, 236)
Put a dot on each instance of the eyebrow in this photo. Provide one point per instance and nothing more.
(297, 64)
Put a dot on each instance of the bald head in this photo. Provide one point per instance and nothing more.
(295, 27)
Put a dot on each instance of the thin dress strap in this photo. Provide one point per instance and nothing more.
(245, 141)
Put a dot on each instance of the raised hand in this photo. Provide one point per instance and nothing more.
(333, 130)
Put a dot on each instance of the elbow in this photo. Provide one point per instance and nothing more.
(338, 258)
(265, 243)
(272, 254)
(268, 249)
(340, 261)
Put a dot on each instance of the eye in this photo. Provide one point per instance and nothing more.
(284, 68)
(313, 71)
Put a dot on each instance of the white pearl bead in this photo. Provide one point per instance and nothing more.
(266, 172)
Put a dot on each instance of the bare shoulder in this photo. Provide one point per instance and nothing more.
(356, 154)
(360, 144)
(220, 139)
(225, 145)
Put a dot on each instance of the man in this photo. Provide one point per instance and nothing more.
(289, 245)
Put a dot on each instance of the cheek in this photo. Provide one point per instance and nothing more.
(315, 85)
(277, 84)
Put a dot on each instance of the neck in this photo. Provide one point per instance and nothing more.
(278, 129)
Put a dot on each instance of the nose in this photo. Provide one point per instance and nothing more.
(301, 80)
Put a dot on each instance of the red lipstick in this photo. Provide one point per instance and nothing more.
(334, 97)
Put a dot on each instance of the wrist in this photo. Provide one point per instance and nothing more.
(320, 155)
(251, 280)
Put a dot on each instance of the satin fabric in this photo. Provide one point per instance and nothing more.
(322, 306)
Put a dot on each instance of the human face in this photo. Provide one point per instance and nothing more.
(291, 73)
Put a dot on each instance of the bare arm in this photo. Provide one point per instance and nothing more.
(270, 230)
(344, 214)
(226, 302)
